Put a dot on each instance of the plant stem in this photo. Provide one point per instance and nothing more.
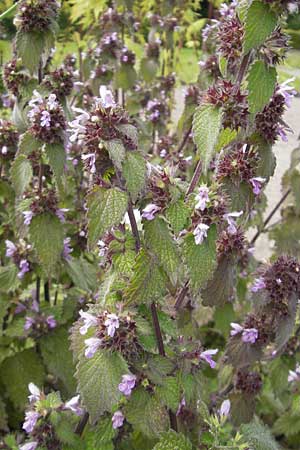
(81, 424)
(269, 217)
(181, 296)
(8, 11)
(159, 339)
(195, 178)
(47, 292)
(184, 140)
(134, 227)
(38, 289)
(242, 69)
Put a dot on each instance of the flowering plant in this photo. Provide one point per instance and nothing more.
(133, 307)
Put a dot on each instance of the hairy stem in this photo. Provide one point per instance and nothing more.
(38, 289)
(184, 140)
(243, 68)
(47, 292)
(269, 217)
(81, 424)
(195, 178)
(181, 296)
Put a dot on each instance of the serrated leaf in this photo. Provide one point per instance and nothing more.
(148, 282)
(169, 393)
(17, 372)
(201, 260)
(30, 47)
(146, 414)
(134, 172)
(116, 151)
(21, 174)
(242, 408)
(8, 278)
(206, 126)
(47, 235)
(178, 214)
(287, 424)
(225, 137)
(28, 143)
(158, 367)
(148, 69)
(125, 77)
(58, 359)
(261, 85)
(129, 131)
(57, 158)
(173, 441)
(259, 436)
(259, 24)
(101, 436)
(241, 354)
(98, 380)
(159, 239)
(124, 262)
(106, 208)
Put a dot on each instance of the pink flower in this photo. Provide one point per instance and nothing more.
(202, 198)
(31, 418)
(257, 183)
(111, 323)
(10, 248)
(259, 283)
(207, 356)
(200, 233)
(225, 408)
(74, 406)
(29, 446)
(117, 419)
(127, 384)
(92, 345)
(89, 321)
(149, 212)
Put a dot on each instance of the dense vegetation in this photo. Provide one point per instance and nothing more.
(133, 311)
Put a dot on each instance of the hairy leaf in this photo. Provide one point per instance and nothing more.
(261, 85)
(57, 159)
(98, 380)
(47, 235)
(82, 273)
(206, 127)
(106, 208)
(116, 151)
(134, 172)
(260, 22)
(21, 174)
(259, 436)
(178, 214)
(169, 393)
(28, 143)
(173, 441)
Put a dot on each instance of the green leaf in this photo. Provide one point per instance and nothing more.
(159, 239)
(225, 137)
(148, 69)
(101, 436)
(116, 151)
(98, 380)
(146, 414)
(106, 208)
(125, 77)
(17, 372)
(242, 408)
(201, 260)
(129, 131)
(58, 358)
(3, 416)
(169, 393)
(260, 22)
(148, 282)
(178, 214)
(261, 85)
(158, 367)
(47, 235)
(259, 436)
(57, 159)
(8, 278)
(287, 424)
(173, 441)
(82, 273)
(30, 47)
(206, 126)
(28, 144)
(134, 172)
(21, 174)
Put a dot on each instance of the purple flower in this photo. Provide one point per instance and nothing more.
(45, 119)
(52, 103)
(106, 97)
(28, 215)
(29, 446)
(225, 408)
(24, 267)
(202, 198)
(207, 356)
(287, 92)
(10, 248)
(92, 158)
(35, 393)
(294, 375)
(200, 233)
(236, 329)
(117, 420)
(259, 283)
(89, 321)
(257, 183)
(51, 322)
(74, 406)
(31, 418)
(127, 384)
(29, 321)
(111, 323)
(67, 250)
(60, 213)
(282, 133)
(149, 212)
(181, 405)
(92, 345)
(250, 335)
(232, 228)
